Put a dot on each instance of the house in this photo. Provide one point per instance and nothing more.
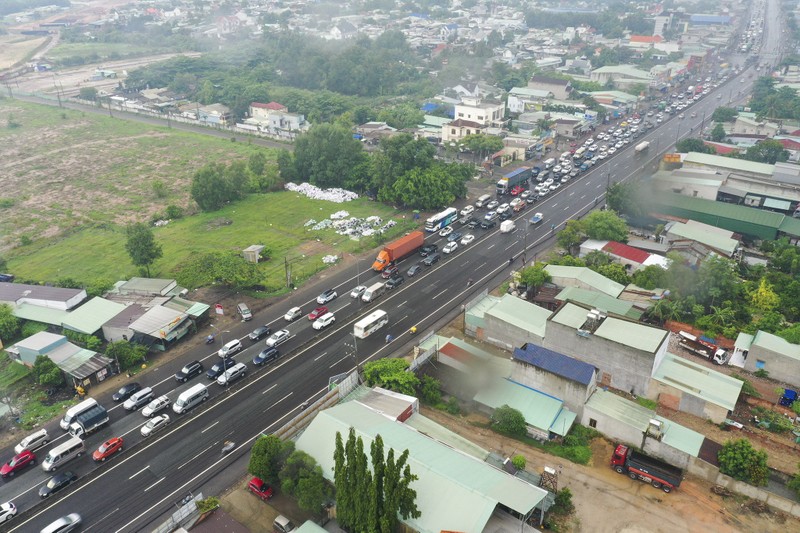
(585, 278)
(522, 98)
(751, 126)
(90, 317)
(569, 128)
(631, 258)
(48, 305)
(598, 300)
(561, 89)
(485, 113)
(343, 30)
(644, 42)
(214, 115)
(696, 241)
(695, 182)
(160, 327)
(770, 353)
(458, 129)
(275, 120)
(621, 76)
(506, 322)
(118, 328)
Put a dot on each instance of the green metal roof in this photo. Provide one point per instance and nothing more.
(776, 344)
(587, 276)
(476, 315)
(600, 301)
(699, 380)
(627, 70)
(91, 316)
(729, 163)
(455, 492)
(426, 426)
(744, 341)
(571, 315)
(639, 336)
(697, 232)
(310, 527)
(522, 314)
(680, 437)
(46, 315)
(539, 409)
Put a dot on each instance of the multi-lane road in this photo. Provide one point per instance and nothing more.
(138, 489)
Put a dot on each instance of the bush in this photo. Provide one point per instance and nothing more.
(428, 390)
(47, 372)
(206, 505)
(173, 212)
(452, 406)
(741, 461)
(563, 503)
(519, 462)
(747, 386)
(761, 373)
(509, 421)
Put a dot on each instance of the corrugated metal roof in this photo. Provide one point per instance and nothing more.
(522, 314)
(455, 492)
(703, 234)
(556, 363)
(790, 226)
(426, 426)
(40, 341)
(156, 320)
(563, 422)
(91, 316)
(11, 292)
(626, 252)
(598, 300)
(729, 163)
(588, 276)
(699, 381)
(539, 409)
(147, 285)
(776, 344)
(127, 316)
(744, 341)
(638, 336)
(571, 315)
(37, 313)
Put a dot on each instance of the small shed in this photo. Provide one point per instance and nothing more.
(252, 253)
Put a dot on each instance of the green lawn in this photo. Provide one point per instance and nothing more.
(103, 50)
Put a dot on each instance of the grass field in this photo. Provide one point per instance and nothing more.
(103, 50)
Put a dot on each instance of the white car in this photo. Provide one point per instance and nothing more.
(557, 169)
(358, 291)
(446, 231)
(602, 155)
(593, 148)
(589, 142)
(612, 150)
(324, 321)
(278, 337)
(234, 373)
(293, 314)
(155, 406)
(7, 511)
(450, 247)
(491, 205)
(502, 208)
(466, 239)
(154, 425)
(467, 211)
(327, 296)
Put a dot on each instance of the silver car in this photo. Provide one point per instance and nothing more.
(64, 524)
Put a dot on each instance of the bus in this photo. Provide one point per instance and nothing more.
(445, 218)
(370, 324)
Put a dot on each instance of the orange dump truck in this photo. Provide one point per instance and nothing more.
(396, 250)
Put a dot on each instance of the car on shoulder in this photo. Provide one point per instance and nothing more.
(190, 370)
(491, 205)
(391, 270)
(328, 318)
(7, 511)
(467, 239)
(259, 333)
(279, 337)
(454, 236)
(267, 355)
(56, 483)
(107, 449)
(396, 281)
(327, 296)
(158, 404)
(445, 231)
(358, 291)
(18, 463)
(126, 391)
(260, 488)
(318, 312)
(428, 249)
(154, 425)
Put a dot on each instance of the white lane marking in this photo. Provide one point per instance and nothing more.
(211, 426)
(275, 385)
(319, 357)
(339, 361)
(154, 484)
(196, 456)
(139, 472)
(444, 291)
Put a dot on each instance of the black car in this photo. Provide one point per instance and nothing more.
(428, 249)
(473, 223)
(455, 236)
(195, 368)
(266, 356)
(259, 333)
(219, 367)
(126, 392)
(505, 215)
(414, 270)
(532, 199)
(488, 224)
(394, 282)
(56, 483)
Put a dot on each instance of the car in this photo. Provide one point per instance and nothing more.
(682, 115)
(220, 367)
(431, 259)
(488, 224)
(525, 195)
(195, 368)
(391, 270)
(575, 173)
(107, 449)
(358, 291)
(7, 511)
(32, 442)
(467, 211)
(491, 215)
(260, 488)
(589, 142)
(318, 312)
(532, 199)
(327, 296)
(719, 97)
(557, 169)
(466, 239)
(17, 463)
(293, 314)
(564, 180)
(428, 249)
(156, 405)
(279, 337)
(266, 355)
(505, 215)
(57, 483)
(659, 120)
(328, 318)
(396, 281)
(693, 115)
(537, 218)
(517, 190)
(602, 155)
(446, 231)
(126, 391)
(491, 205)
(154, 425)
(612, 150)
(414, 270)
(454, 236)
(230, 348)
(450, 247)
(259, 333)
(65, 524)
(234, 373)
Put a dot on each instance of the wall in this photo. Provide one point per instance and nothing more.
(776, 364)
(572, 393)
(506, 335)
(666, 453)
(611, 427)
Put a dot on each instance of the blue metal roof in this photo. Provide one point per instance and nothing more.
(555, 362)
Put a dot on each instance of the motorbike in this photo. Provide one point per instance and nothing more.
(227, 447)
(210, 339)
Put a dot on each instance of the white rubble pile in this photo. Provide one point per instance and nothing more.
(330, 259)
(315, 193)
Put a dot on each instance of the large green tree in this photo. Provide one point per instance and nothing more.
(391, 374)
(535, 276)
(509, 421)
(268, 457)
(430, 188)
(397, 155)
(718, 132)
(741, 461)
(9, 324)
(693, 144)
(141, 246)
(47, 372)
(724, 114)
(605, 225)
(328, 155)
(210, 188)
(301, 478)
(767, 151)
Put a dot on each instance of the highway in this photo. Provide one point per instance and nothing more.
(137, 490)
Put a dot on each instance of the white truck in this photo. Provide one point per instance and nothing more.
(507, 226)
(642, 146)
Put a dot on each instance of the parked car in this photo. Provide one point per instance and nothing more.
(126, 391)
(107, 449)
(57, 483)
(259, 333)
(267, 355)
(318, 312)
(156, 405)
(326, 296)
(195, 368)
(278, 337)
(260, 488)
(155, 425)
(17, 463)
(358, 291)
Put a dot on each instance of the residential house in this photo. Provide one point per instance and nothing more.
(773, 354)
(621, 76)
(275, 120)
(644, 42)
(343, 29)
(729, 164)
(631, 258)
(585, 278)
(48, 305)
(506, 321)
(597, 300)
(458, 129)
(90, 317)
(751, 126)
(214, 115)
(569, 128)
(695, 182)
(485, 113)
(561, 89)
(520, 99)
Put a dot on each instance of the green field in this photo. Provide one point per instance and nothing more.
(103, 50)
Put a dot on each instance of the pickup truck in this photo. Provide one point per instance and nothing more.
(535, 219)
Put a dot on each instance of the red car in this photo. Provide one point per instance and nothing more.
(107, 449)
(18, 462)
(260, 488)
(517, 190)
(318, 312)
(389, 271)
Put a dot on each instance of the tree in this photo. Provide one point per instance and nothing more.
(741, 461)
(596, 258)
(257, 163)
(142, 246)
(718, 133)
(9, 324)
(209, 187)
(87, 93)
(606, 226)
(692, 144)
(47, 372)
(301, 478)
(571, 235)
(398, 154)
(268, 456)
(225, 268)
(391, 374)
(327, 155)
(427, 189)
(402, 116)
(429, 390)
(650, 277)
(724, 114)
(482, 144)
(764, 298)
(794, 483)
(509, 421)
(614, 272)
(126, 353)
(767, 151)
(622, 198)
(535, 276)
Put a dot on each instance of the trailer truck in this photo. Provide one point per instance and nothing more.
(396, 250)
(639, 466)
(703, 347)
(516, 177)
(89, 421)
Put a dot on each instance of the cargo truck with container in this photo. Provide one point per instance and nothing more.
(516, 177)
(89, 421)
(397, 250)
(639, 466)
(703, 347)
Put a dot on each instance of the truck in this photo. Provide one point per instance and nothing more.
(516, 177)
(690, 90)
(642, 146)
(704, 347)
(507, 226)
(396, 250)
(89, 421)
(788, 397)
(639, 466)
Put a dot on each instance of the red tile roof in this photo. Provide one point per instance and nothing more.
(722, 149)
(461, 123)
(275, 106)
(790, 144)
(646, 39)
(626, 252)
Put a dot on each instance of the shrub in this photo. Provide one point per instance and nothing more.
(509, 421)
(206, 505)
(761, 373)
(428, 390)
(452, 406)
(741, 461)
(519, 462)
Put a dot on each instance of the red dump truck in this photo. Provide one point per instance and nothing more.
(396, 250)
(659, 474)
(703, 347)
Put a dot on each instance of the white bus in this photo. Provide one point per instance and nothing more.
(440, 220)
(370, 324)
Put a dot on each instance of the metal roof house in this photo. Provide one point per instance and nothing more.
(585, 278)
(49, 305)
(506, 322)
(90, 317)
(774, 354)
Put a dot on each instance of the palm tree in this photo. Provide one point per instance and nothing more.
(544, 125)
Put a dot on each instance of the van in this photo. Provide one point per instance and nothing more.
(230, 348)
(75, 410)
(244, 311)
(139, 399)
(373, 292)
(431, 259)
(483, 200)
(549, 163)
(62, 453)
(190, 398)
(33, 442)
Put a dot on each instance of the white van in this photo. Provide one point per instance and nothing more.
(75, 410)
(190, 398)
(62, 453)
(549, 163)
(483, 200)
(373, 292)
